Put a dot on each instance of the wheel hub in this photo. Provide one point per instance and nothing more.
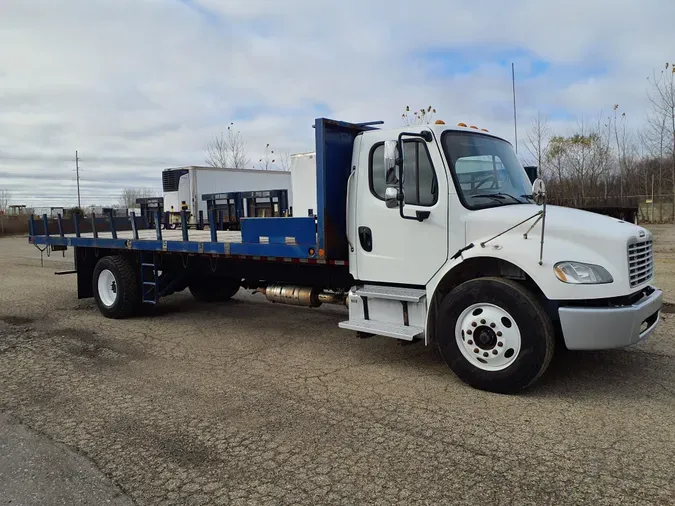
(107, 288)
(485, 338)
(488, 337)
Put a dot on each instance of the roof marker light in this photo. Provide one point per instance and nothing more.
(440, 122)
(461, 125)
(474, 127)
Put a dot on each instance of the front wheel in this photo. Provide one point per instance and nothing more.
(494, 335)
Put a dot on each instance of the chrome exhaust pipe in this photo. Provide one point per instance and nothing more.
(300, 295)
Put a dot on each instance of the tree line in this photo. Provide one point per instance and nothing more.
(607, 160)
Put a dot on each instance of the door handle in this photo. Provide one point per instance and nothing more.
(366, 238)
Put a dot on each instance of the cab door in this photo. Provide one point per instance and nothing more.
(389, 248)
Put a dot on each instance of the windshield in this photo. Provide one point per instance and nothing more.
(485, 170)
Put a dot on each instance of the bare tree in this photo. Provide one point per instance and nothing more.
(217, 153)
(537, 141)
(227, 150)
(421, 117)
(285, 161)
(5, 197)
(656, 139)
(267, 161)
(129, 195)
(662, 98)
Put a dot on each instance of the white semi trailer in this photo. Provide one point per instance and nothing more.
(184, 186)
(303, 182)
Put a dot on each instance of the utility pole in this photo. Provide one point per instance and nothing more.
(77, 173)
(515, 119)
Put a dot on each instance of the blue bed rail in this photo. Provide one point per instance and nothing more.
(268, 237)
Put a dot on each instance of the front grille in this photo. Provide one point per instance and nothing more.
(640, 262)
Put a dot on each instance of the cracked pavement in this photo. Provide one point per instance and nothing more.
(253, 403)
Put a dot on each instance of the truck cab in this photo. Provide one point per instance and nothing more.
(447, 243)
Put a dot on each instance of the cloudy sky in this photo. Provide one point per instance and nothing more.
(140, 85)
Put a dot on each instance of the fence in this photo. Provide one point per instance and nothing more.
(13, 225)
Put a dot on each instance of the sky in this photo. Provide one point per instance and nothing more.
(136, 86)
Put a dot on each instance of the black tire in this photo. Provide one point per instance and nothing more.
(537, 335)
(214, 289)
(128, 294)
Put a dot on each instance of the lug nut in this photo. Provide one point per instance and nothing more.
(469, 342)
(482, 322)
(469, 332)
(499, 334)
(486, 354)
(494, 352)
(500, 344)
(493, 325)
(473, 324)
(475, 350)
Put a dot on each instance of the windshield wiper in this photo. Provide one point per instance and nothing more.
(528, 197)
(499, 196)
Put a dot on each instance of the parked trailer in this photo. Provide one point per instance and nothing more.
(303, 182)
(184, 186)
(231, 207)
(621, 208)
(428, 232)
(151, 206)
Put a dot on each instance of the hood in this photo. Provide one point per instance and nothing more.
(570, 235)
(561, 222)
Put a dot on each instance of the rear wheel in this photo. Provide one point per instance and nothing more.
(494, 335)
(115, 286)
(214, 289)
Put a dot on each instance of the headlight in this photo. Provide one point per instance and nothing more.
(577, 273)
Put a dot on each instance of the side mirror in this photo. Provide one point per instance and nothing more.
(539, 192)
(391, 197)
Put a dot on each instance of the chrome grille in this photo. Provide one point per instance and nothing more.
(640, 262)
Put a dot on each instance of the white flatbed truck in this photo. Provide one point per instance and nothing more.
(430, 232)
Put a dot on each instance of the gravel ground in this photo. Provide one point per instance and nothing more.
(253, 403)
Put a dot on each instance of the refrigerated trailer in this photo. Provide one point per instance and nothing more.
(429, 232)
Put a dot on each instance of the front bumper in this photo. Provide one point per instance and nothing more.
(602, 328)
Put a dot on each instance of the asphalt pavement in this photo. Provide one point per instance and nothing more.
(36, 471)
(252, 403)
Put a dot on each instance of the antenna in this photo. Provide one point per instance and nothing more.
(77, 172)
(515, 118)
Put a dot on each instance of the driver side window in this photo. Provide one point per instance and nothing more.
(420, 186)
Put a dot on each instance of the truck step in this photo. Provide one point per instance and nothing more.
(390, 293)
(382, 328)
(147, 265)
